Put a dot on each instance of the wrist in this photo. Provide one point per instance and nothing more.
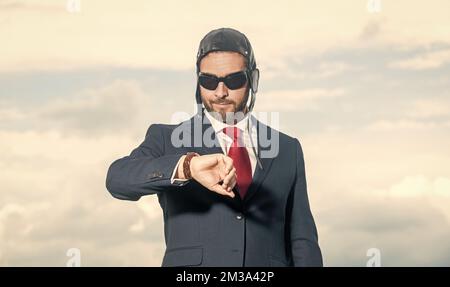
(180, 173)
(187, 167)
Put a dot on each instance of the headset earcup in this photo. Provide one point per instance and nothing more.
(255, 80)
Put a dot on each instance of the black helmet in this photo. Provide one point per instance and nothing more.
(228, 39)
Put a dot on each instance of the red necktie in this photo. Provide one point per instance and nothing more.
(241, 160)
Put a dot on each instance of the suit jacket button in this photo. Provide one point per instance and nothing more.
(239, 216)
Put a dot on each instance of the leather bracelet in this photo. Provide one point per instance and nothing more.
(187, 164)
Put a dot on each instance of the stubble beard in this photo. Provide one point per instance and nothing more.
(241, 107)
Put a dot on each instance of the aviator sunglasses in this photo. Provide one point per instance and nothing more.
(233, 81)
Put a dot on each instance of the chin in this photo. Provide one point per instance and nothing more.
(223, 109)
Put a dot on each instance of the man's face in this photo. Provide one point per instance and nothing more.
(222, 99)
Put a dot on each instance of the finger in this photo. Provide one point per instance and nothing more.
(231, 184)
(222, 175)
(227, 179)
(219, 189)
(221, 167)
(228, 163)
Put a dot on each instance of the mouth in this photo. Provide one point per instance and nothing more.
(222, 104)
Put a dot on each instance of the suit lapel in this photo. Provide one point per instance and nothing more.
(266, 162)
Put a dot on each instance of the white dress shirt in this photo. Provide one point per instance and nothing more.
(250, 140)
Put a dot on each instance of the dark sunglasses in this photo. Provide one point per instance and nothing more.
(233, 81)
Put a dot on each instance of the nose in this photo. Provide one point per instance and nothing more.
(221, 90)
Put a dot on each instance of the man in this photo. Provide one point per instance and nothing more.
(227, 198)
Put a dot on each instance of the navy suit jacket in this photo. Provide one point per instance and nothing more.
(271, 226)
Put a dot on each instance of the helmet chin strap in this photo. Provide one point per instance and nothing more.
(252, 101)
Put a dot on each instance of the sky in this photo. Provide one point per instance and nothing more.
(363, 84)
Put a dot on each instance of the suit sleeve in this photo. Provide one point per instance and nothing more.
(303, 232)
(147, 170)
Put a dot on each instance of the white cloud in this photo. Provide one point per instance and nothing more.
(116, 34)
(138, 227)
(114, 107)
(425, 61)
(429, 108)
(11, 114)
(328, 69)
(359, 188)
(396, 219)
(295, 100)
(405, 125)
(54, 198)
(120, 106)
(294, 69)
